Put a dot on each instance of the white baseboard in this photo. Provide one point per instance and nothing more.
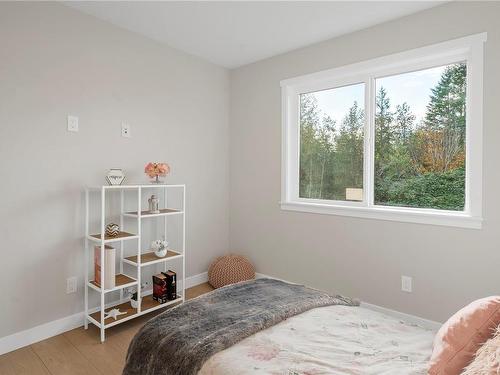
(422, 322)
(261, 276)
(39, 333)
(44, 331)
(196, 279)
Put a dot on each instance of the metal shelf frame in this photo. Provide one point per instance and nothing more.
(139, 215)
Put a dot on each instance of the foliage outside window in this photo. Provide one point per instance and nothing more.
(420, 160)
(331, 150)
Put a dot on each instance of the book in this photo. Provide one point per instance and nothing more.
(109, 266)
(171, 284)
(160, 288)
(164, 286)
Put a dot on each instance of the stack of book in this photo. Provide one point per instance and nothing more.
(165, 286)
(109, 266)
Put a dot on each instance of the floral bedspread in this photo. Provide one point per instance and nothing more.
(329, 340)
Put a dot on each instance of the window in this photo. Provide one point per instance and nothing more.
(395, 138)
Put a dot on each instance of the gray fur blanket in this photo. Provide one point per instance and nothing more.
(180, 340)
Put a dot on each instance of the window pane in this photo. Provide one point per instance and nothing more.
(420, 139)
(331, 143)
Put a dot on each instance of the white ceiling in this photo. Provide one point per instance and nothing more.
(236, 33)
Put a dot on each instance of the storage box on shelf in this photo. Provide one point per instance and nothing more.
(142, 257)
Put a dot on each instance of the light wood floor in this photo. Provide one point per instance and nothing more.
(79, 351)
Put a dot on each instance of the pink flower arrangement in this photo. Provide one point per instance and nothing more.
(155, 170)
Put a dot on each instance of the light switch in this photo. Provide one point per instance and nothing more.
(406, 284)
(71, 285)
(126, 130)
(72, 123)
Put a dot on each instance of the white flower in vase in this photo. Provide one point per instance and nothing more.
(160, 248)
(134, 302)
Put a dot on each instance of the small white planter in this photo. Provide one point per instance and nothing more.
(160, 248)
(135, 304)
(161, 253)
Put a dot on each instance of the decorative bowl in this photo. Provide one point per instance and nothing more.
(161, 253)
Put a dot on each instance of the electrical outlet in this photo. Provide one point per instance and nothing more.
(71, 285)
(72, 123)
(406, 284)
(126, 130)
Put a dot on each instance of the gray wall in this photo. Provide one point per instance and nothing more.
(55, 61)
(359, 257)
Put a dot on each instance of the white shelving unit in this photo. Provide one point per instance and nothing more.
(142, 258)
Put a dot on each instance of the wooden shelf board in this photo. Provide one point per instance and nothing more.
(120, 236)
(123, 307)
(150, 257)
(120, 280)
(148, 305)
(163, 211)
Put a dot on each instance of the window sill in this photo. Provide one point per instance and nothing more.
(406, 215)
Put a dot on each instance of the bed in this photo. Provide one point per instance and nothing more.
(329, 340)
(271, 327)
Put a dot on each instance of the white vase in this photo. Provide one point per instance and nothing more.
(115, 176)
(135, 304)
(161, 253)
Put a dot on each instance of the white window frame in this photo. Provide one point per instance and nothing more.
(468, 49)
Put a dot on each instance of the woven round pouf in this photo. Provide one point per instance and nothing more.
(230, 269)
